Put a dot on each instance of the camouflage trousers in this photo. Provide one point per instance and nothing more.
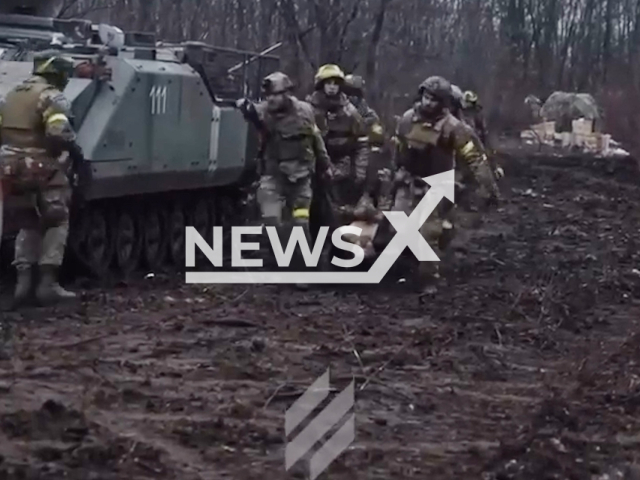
(282, 200)
(350, 176)
(284, 204)
(42, 238)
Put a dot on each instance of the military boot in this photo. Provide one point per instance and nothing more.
(428, 277)
(49, 290)
(24, 285)
(447, 236)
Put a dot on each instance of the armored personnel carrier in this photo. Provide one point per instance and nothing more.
(164, 145)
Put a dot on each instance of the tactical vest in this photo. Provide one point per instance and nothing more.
(290, 136)
(428, 152)
(22, 124)
(337, 132)
(336, 126)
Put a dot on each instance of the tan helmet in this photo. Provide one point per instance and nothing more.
(328, 71)
(276, 82)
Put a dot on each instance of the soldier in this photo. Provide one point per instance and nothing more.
(428, 141)
(473, 115)
(292, 151)
(35, 131)
(378, 174)
(354, 88)
(344, 133)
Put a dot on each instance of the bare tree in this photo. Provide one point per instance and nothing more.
(504, 49)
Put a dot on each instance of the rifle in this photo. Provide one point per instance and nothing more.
(76, 157)
(322, 211)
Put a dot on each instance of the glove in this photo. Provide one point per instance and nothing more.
(76, 153)
(244, 105)
(499, 172)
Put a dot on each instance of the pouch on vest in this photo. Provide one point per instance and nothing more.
(421, 137)
(291, 147)
(25, 173)
(22, 125)
(294, 170)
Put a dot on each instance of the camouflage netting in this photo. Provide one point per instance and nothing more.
(562, 108)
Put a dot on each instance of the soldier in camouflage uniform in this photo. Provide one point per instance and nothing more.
(344, 133)
(473, 115)
(428, 141)
(379, 175)
(35, 132)
(354, 88)
(292, 151)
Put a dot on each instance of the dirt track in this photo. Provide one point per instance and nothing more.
(527, 367)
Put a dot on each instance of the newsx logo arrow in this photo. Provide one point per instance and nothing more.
(407, 235)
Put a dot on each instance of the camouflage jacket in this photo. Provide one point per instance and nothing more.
(35, 130)
(425, 148)
(474, 117)
(371, 120)
(343, 128)
(35, 115)
(292, 143)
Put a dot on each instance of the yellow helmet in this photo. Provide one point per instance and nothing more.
(52, 61)
(470, 97)
(328, 71)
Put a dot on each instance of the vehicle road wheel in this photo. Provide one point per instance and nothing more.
(154, 239)
(176, 234)
(97, 248)
(127, 242)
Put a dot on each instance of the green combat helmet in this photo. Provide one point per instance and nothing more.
(54, 66)
(438, 87)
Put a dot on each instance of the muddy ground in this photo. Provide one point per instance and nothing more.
(526, 367)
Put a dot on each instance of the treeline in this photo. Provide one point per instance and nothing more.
(503, 49)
